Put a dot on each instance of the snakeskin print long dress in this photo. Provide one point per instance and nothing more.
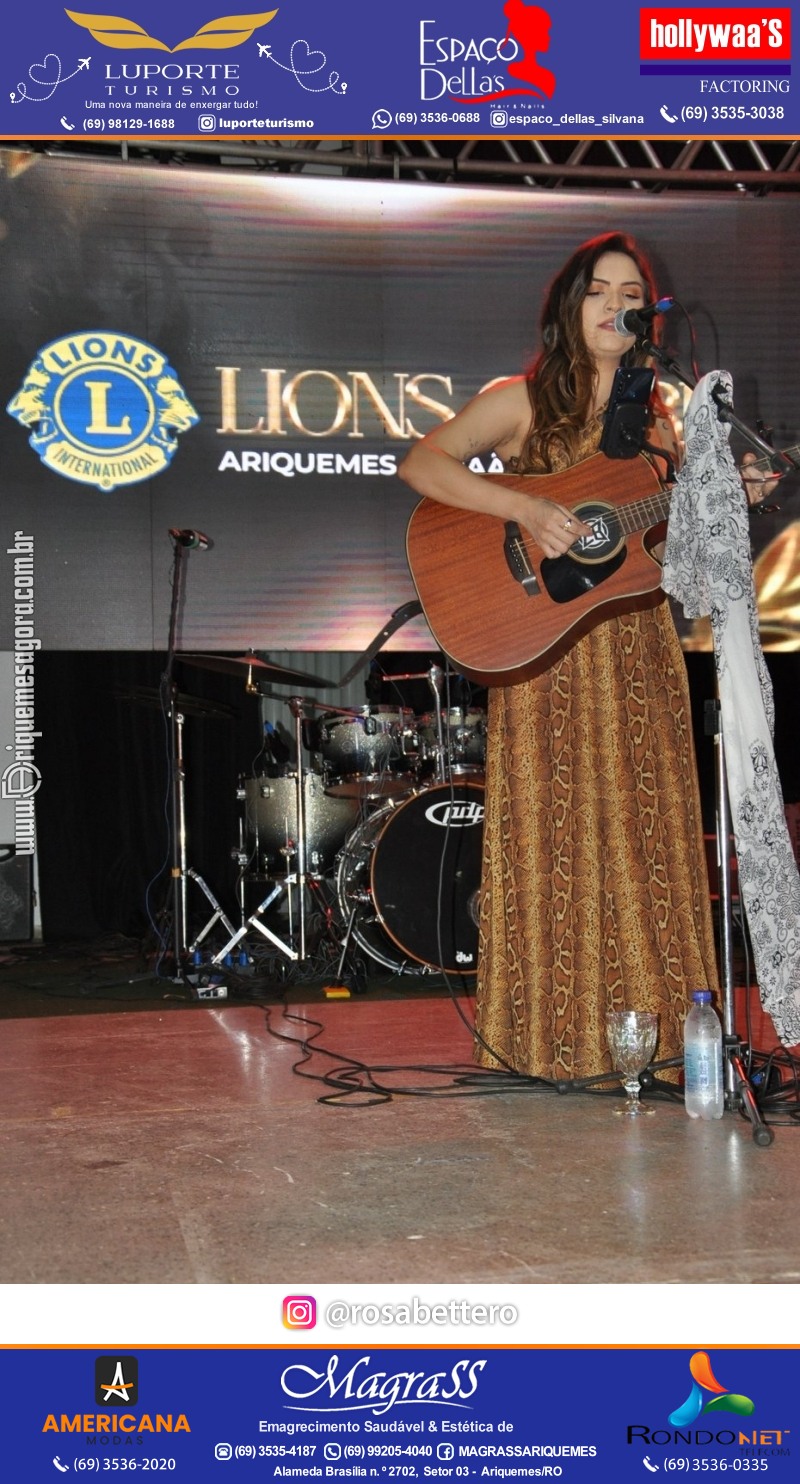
(594, 890)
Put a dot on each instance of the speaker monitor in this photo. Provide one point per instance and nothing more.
(16, 895)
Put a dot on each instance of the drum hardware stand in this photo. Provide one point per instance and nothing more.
(336, 988)
(434, 676)
(296, 879)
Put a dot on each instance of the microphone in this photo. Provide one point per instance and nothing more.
(636, 321)
(190, 538)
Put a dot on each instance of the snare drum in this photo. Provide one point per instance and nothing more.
(271, 822)
(369, 755)
(411, 874)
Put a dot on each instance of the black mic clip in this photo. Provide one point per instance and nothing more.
(195, 540)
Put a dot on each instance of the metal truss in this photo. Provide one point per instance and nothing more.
(757, 167)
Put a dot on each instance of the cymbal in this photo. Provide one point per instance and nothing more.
(235, 664)
(142, 695)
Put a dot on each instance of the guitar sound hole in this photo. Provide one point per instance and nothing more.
(566, 579)
(606, 538)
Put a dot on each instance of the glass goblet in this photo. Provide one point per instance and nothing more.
(632, 1036)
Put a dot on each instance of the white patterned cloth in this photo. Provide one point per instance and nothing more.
(708, 568)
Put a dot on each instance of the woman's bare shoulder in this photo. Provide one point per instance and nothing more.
(497, 415)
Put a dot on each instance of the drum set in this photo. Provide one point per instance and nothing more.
(388, 813)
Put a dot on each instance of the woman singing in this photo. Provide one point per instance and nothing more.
(594, 890)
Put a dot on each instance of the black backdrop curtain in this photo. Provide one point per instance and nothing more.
(102, 809)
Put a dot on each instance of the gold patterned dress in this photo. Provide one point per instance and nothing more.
(594, 887)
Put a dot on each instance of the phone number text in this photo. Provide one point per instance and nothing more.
(437, 118)
(103, 125)
(695, 1465)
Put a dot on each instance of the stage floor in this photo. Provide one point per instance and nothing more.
(147, 1140)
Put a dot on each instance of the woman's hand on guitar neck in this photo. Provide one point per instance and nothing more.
(554, 528)
(757, 483)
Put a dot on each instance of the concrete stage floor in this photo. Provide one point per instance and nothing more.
(147, 1140)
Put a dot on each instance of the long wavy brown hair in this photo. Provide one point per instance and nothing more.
(561, 381)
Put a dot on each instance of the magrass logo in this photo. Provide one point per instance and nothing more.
(116, 1381)
(103, 409)
(697, 1403)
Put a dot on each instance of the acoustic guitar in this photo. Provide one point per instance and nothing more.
(503, 611)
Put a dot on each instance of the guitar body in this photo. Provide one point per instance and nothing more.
(504, 612)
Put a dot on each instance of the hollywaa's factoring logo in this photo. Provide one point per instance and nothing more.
(717, 33)
(101, 406)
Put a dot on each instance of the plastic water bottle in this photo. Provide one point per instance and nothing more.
(704, 1093)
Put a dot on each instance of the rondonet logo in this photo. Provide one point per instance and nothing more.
(103, 409)
(707, 1395)
(719, 34)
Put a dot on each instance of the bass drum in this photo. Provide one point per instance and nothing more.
(402, 864)
(271, 822)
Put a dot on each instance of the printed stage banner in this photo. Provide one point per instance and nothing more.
(459, 68)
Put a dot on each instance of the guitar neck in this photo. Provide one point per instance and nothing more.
(580, 491)
(767, 464)
(639, 515)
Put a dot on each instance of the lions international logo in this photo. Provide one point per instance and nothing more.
(103, 409)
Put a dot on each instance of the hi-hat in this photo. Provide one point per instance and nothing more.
(255, 668)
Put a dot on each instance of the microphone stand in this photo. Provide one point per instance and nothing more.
(178, 777)
(180, 871)
(738, 1091)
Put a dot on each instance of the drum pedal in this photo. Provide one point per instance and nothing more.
(336, 992)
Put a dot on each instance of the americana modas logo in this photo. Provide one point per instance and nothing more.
(116, 1381)
(103, 408)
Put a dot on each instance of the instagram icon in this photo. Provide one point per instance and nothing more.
(299, 1311)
